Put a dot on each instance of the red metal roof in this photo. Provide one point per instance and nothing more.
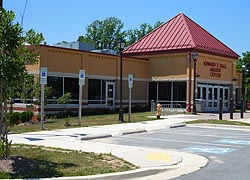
(180, 33)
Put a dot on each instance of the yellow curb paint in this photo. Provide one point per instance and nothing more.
(158, 157)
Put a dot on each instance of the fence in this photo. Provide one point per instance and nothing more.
(174, 107)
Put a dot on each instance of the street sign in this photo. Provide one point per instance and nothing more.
(234, 141)
(43, 75)
(130, 80)
(82, 77)
(209, 149)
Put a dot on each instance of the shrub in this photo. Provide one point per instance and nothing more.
(13, 118)
(26, 116)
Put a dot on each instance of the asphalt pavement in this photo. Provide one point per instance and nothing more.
(154, 163)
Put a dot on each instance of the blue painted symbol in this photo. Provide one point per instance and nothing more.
(82, 76)
(43, 74)
(209, 149)
(234, 141)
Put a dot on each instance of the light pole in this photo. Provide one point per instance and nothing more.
(243, 86)
(195, 58)
(121, 44)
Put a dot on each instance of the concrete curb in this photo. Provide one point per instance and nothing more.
(177, 125)
(96, 136)
(128, 131)
(115, 176)
(105, 135)
(133, 131)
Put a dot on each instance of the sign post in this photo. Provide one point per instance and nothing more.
(43, 81)
(130, 86)
(81, 83)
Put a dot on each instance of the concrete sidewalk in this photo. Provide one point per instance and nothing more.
(154, 163)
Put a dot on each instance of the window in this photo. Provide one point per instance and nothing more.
(56, 84)
(152, 91)
(97, 91)
(179, 91)
(165, 91)
(71, 85)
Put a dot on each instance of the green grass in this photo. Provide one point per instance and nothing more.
(225, 122)
(41, 162)
(51, 124)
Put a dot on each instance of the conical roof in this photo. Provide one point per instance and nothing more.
(178, 34)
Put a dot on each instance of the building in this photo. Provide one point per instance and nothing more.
(162, 66)
(168, 49)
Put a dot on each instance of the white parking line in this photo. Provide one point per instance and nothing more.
(181, 141)
(218, 126)
(209, 135)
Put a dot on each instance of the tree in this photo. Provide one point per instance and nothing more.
(36, 92)
(136, 34)
(103, 34)
(14, 55)
(65, 99)
(245, 60)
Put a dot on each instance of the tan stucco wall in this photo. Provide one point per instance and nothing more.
(216, 68)
(168, 65)
(71, 61)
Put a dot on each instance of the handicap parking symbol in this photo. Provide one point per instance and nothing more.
(234, 141)
(209, 149)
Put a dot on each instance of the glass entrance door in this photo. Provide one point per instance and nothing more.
(212, 98)
(110, 95)
(212, 94)
(224, 94)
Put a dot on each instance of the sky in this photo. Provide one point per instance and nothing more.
(66, 20)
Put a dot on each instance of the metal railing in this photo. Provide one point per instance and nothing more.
(173, 107)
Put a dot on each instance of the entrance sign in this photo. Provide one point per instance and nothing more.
(130, 80)
(215, 68)
(82, 77)
(43, 75)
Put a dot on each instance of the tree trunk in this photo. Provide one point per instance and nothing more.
(6, 131)
(1, 109)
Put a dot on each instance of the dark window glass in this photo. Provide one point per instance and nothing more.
(71, 85)
(103, 90)
(94, 91)
(56, 84)
(165, 91)
(152, 91)
(179, 91)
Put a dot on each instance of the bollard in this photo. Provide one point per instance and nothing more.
(220, 109)
(241, 108)
(152, 106)
(231, 108)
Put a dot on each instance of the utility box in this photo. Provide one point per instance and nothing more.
(200, 105)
